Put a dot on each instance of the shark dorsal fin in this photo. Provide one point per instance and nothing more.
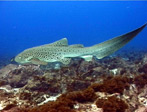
(76, 46)
(62, 42)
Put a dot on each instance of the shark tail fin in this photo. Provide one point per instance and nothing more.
(110, 46)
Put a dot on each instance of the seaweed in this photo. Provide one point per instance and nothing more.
(112, 104)
(25, 96)
(65, 102)
(140, 80)
(111, 85)
(2, 82)
(9, 106)
(87, 95)
(65, 105)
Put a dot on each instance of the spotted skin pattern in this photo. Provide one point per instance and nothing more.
(60, 51)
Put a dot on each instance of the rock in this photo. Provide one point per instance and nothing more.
(143, 69)
(142, 109)
(4, 71)
(19, 76)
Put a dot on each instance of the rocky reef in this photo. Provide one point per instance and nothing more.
(113, 84)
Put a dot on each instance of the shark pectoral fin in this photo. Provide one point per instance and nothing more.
(36, 61)
(76, 46)
(65, 61)
(87, 58)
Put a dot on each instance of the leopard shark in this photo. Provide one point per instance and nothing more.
(60, 51)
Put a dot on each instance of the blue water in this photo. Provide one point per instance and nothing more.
(28, 24)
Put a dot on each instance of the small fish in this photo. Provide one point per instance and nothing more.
(60, 51)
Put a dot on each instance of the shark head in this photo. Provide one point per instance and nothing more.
(38, 55)
(24, 57)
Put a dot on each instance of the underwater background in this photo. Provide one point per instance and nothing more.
(116, 83)
(27, 24)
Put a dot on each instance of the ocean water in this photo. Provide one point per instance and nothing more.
(109, 84)
(27, 24)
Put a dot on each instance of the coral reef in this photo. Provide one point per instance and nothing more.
(113, 84)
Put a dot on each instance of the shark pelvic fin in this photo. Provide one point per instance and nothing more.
(108, 47)
(87, 58)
